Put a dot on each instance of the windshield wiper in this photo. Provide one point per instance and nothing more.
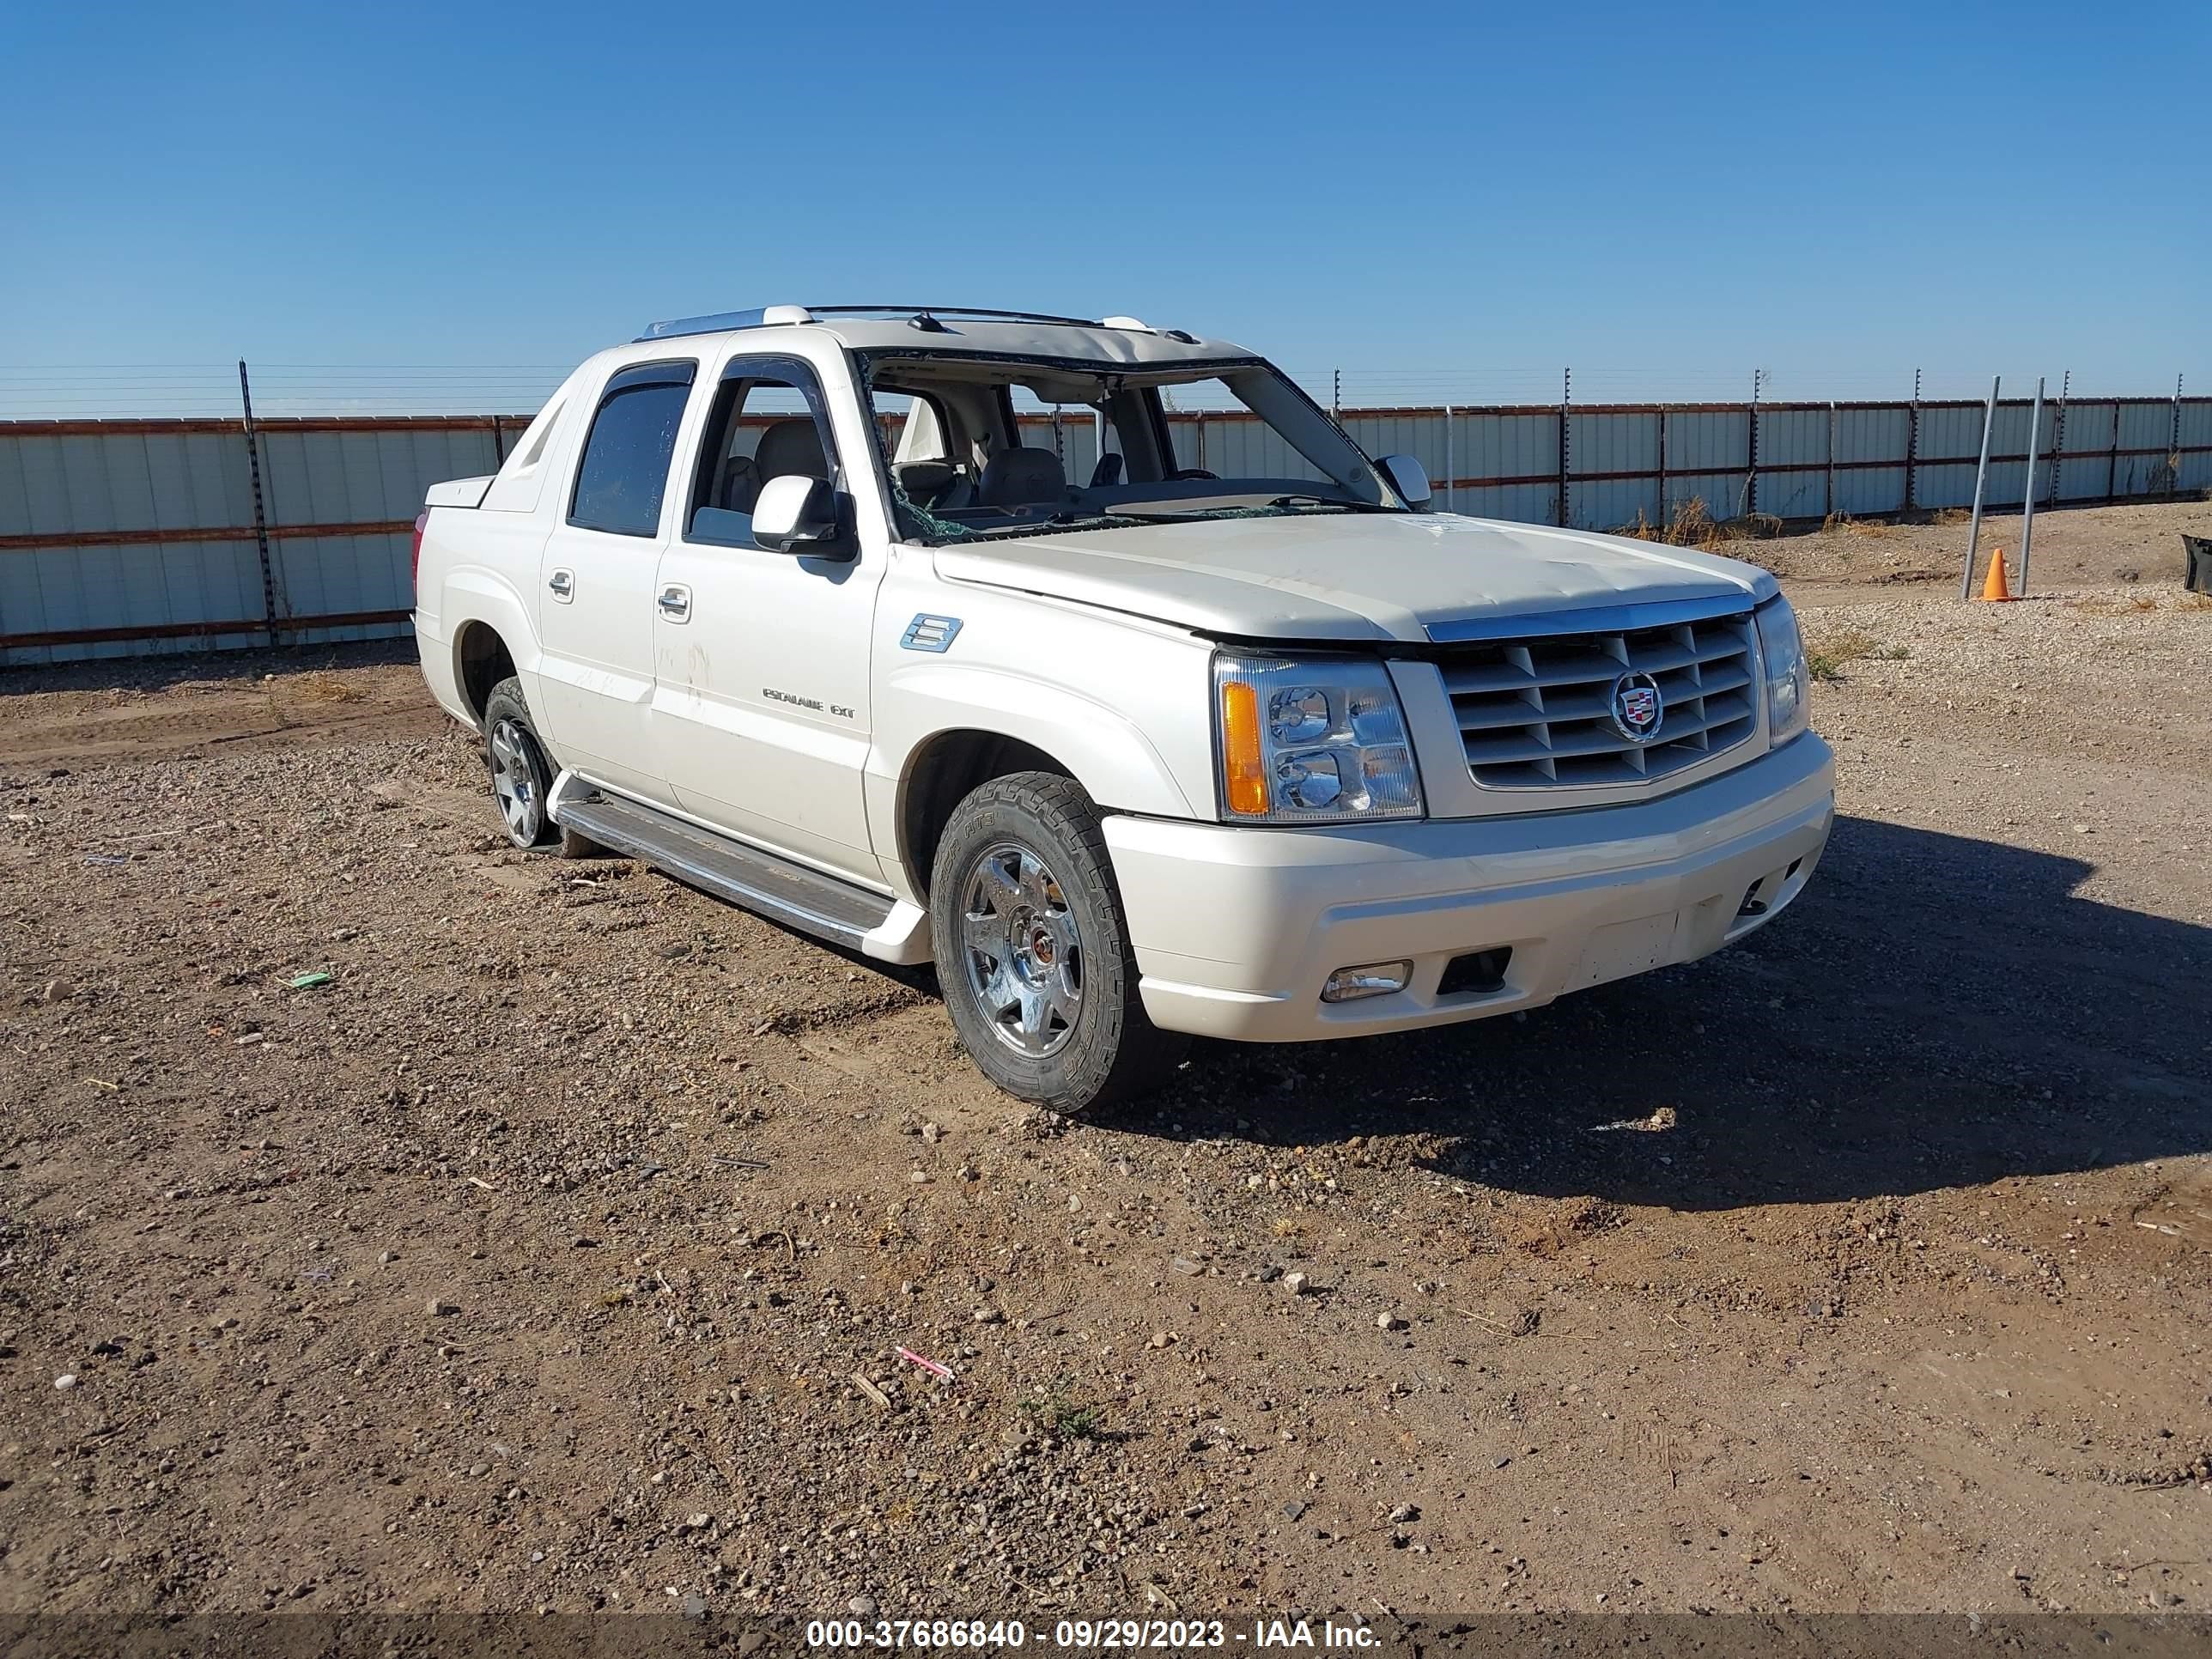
(1065, 522)
(1287, 502)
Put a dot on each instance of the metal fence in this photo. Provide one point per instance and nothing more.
(125, 537)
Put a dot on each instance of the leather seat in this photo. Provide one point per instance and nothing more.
(1024, 477)
(740, 485)
(788, 448)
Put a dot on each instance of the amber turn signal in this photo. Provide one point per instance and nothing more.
(1243, 778)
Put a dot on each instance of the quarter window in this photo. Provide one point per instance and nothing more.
(624, 471)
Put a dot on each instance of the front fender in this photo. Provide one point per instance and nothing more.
(1150, 753)
(1104, 750)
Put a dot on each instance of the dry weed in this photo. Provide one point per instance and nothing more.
(322, 686)
(2132, 605)
(1825, 660)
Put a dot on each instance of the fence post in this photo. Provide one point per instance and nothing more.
(1451, 466)
(260, 513)
(2112, 460)
(2027, 507)
(1750, 450)
(1912, 441)
(1830, 512)
(1336, 395)
(2174, 445)
(2058, 437)
(1981, 475)
(1662, 469)
(1567, 399)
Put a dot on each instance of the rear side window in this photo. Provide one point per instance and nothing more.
(624, 471)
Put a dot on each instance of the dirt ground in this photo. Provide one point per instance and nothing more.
(559, 1250)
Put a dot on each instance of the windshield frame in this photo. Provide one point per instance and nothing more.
(915, 524)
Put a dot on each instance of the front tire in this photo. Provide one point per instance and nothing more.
(1033, 953)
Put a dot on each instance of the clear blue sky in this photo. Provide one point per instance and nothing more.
(1664, 196)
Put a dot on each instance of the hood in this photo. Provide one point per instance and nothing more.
(1371, 577)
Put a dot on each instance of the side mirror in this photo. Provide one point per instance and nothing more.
(1409, 478)
(794, 512)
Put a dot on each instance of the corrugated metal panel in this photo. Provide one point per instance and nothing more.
(2146, 425)
(1250, 449)
(1793, 495)
(1793, 437)
(340, 575)
(1948, 484)
(1708, 441)
(1491, 446)
(1521, 504)
(122, 481)
(367, 477)
(1947, 433)
(1612, 504)
(142, 585)
(139, 508)
(1612, 443)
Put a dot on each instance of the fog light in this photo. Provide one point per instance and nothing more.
(1374, 979)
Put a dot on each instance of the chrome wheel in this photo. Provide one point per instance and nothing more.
(514, 780)
(1022, 950)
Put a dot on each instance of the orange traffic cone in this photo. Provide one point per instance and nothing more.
(1995, 587)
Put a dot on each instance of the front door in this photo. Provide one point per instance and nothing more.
(597, 594)
(761, 659)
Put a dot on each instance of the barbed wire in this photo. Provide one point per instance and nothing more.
(86, 390)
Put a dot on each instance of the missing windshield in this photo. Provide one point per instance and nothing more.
(983, 446)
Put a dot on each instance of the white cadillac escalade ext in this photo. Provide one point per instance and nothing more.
(926, 632)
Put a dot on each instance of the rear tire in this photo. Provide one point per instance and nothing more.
(521, 773)
(1033, 953)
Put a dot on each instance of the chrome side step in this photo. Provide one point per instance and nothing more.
(776, 887)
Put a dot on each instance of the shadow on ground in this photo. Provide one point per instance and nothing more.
(1934, 1011)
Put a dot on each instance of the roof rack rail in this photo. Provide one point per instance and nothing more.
(718, 321)
(987, 314)
(922, 317)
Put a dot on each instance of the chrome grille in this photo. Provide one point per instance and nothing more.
(1537, 714)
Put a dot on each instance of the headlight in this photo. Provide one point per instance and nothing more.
(1313, 742)
(1782, 649)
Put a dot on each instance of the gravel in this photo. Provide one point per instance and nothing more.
(1900, 1281)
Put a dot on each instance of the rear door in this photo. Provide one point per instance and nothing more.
(761, 710)
(596, 592)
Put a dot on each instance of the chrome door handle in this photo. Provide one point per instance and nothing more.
(675, 603)
(562, 583)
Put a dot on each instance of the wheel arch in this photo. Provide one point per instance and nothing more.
(944, 770)
(482, 660)
(946, 728)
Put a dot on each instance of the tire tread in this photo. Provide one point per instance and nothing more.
(1143, 1055)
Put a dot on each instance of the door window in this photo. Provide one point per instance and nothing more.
(624, 471)
(767, 422)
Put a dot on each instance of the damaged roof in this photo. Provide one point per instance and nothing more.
(1114, 340)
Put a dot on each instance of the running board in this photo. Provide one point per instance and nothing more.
(776, 887)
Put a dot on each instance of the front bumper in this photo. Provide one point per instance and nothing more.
(1236, 928)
